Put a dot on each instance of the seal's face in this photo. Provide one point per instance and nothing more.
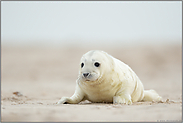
(92, 66)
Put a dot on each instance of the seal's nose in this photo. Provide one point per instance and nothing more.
(85, 74)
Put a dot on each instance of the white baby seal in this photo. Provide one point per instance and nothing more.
(103, 78)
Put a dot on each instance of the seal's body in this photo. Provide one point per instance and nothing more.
(103, 78)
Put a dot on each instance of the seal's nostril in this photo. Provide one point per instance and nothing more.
(85, 74)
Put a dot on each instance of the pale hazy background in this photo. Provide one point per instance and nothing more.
(90, 23)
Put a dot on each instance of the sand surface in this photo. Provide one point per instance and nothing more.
(34, 79)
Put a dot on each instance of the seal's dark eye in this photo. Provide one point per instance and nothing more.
(82, 64)
(97, 64)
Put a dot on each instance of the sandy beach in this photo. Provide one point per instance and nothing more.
(33, 79)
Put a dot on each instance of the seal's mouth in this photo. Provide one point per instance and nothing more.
(88, 80)
(85, 79)
(91, 77)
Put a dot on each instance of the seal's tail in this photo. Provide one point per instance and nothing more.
(151, 95)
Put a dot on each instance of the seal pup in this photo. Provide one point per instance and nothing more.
(103, 78)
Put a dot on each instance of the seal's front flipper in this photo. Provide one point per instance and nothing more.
(64, 100)
(122, 99)
(77, 97)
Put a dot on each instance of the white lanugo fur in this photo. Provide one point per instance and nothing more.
(110, 81)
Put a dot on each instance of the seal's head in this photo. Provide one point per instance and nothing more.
(93, 65)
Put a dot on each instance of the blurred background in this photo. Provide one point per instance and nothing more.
(90, 23)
